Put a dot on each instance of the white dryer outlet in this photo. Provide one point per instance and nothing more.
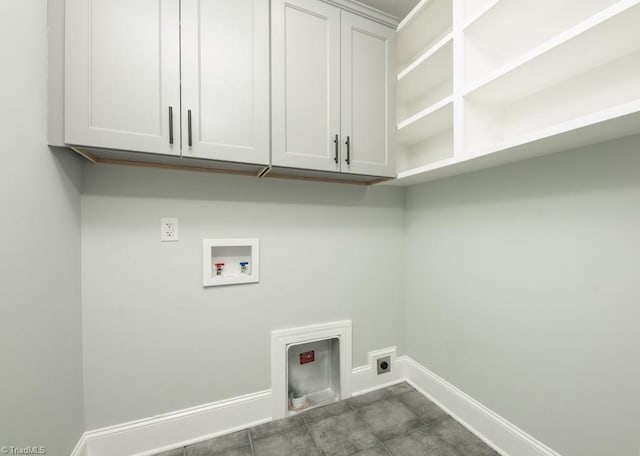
(168, 229)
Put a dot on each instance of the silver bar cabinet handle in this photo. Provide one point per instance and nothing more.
(348, 143)
(190, 137)
(170, 124)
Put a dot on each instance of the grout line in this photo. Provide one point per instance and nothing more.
(311, 435)
(358, 415)
(437, 420)
(423, 427)
(406, 434)
(424, 424)
(386, 449)
(367, 449)
(253, 451)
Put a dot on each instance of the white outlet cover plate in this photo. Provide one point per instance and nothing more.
(168, 229)
(373, 356)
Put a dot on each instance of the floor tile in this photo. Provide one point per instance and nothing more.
(463, 440)
(400, 388)
(342, 435)
(408, 423)
(242, 451)
(364, 399)
(219, 445)
(377, 451)
(426, 410)
(420, 442)
(275, 427)
(294, 442)
(389, 418)
(176, 452)
(328, 410)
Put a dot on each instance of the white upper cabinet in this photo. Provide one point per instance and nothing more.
(301, 85)
(306, 84)
(332, 90)
(225, 80)
(124, 64)
(122, 74)
(368, 97)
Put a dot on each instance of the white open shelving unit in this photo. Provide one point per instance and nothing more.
(425, 85)
(496, 81)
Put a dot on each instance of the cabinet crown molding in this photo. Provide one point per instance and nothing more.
(366, 11)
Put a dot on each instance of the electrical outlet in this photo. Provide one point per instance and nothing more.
(168, 229)
(384, 364)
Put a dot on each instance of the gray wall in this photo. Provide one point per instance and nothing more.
(523, 292)
(521, 281)
(40, 341)
(156, 341)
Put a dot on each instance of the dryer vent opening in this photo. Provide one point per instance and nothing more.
(310, 366)
(313, 374)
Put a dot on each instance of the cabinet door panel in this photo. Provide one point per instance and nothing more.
(225, 79)
(122, 74)
(368, 97)
(306, 84)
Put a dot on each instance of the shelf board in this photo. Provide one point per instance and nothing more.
(413, 14)
(431, 121)
(428, 82)
(594, 128)
(578, 124)
(419, 174)
(446, 41)
(480, 13)
(610, 34)
(505, 23)
(427, 23)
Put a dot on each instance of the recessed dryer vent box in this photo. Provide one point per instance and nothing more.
(230, 261)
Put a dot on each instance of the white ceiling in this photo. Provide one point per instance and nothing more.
(397, 8)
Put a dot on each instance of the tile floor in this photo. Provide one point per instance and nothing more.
(395, 421)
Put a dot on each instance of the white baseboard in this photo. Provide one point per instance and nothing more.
(506, 438)
(185, 427)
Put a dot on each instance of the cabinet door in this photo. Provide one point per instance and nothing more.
(122, 68)
(225, 80)
(305, 84)
(368, 97)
